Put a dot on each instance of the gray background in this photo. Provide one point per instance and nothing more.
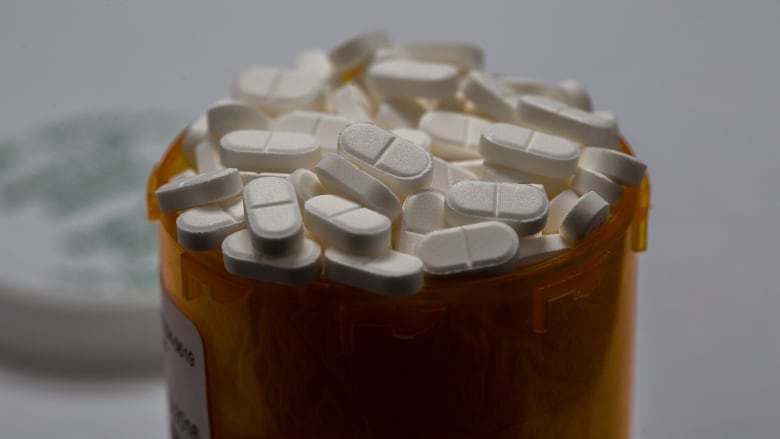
(696, 90)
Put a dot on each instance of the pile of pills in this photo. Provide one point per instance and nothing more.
(378, 162)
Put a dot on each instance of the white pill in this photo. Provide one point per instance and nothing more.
(325, 127)
(241, 259)
(314, 62)
(529, 151)
(347, 225)
(445, 175)
(548, 115)
(570, 91)
(390, 274)
(395, 113)
(197, 131)
(490, 96)
(559, 207)
(306, 184)
(574, 94)
(412, 79)
(357, 50)
(455, 136)
(350, 102)
(461, 55)
(273, 216)
(552, 186)
(204, 228)
(269, 151)
(198, 190)
(342, 177)
(524, 86)
(247, 176)
(521, 206)
(539, 248)
(423, 213)
(403, 166)
(586, 180)
(207, 157)
(616, 165)
(278, 90)
(474, 165)
(415, 136)
(589, 212)
(181, 176)
(483, 248)
(226, 116)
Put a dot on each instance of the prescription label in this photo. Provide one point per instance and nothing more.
(188, 411)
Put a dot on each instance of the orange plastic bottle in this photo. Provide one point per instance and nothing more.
(542, 352)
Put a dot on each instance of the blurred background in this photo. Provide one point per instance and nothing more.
(694, 85)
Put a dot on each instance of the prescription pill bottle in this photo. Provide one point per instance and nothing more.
(542, 352)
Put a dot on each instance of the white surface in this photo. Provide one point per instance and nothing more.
(347, 226)
(325, 127)
(391, 273)
(446, 174)
(398, 113)
(687, 80)
(204, 227)
(530, 151)
(490, 95)
(412, 79)
(273, 216)
(269, 151)
(455, 136)
(226, 116)
(209, 187)
(350, 102)
(276, 90)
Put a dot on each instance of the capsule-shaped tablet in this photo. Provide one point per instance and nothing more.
(390, 274)
(616, 165)
(394, 113)
(461, 55)
(347, 225)
(539, 248)
(586, 215)
(200, 189)
(269, 151)
(586, 180)
(454, 136)
(552, 186)
(226, 116)
(306, 184)
(415, 136)
(324, 127)
(490, 96)
(488, 247)
(423, 213)
(550, 116)
(445, 175)
(356, 50)
(529, 151)
(400, 164)
(297, 268)
(273, 216)
(521, 206)
(204, 228)
(412, 79)
(277, 90)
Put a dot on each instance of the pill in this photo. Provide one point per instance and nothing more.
(394, 113)
(552, 186)
(490, 96)
(200, 189)
(586, 180)
(269, 151)
(350, 102)
(403, 166)
(461, 55)
(446, 175)
(589, 212)
(181, 176)
(277, 90)
(488, 247)
(570, 91)
(521, 206)
(226, 116)
(519, 148)
(273, 216)
(314, 62)
(197, 131)
(415, 136)
(575, 94)
(423, 213)
(297, 268)
(357, 50)
(207, 157)
(347, 225)
(390, 274)
(325, 127)
(412, 79)
(454, 136)
(306, 184)
(559, 207)
(247, 176)
(342, 177)
(539, 248)
(204, 228)
(616, 165)
(548, 115)
(473, 165)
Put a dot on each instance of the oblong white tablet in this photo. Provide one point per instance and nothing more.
(306, 184)
(569, 91)
(552, 186)
(445, 175)
(412, 79)
(226, 116)
(269, 151)
(490, 95)
(482, 248)
(415, 136)
(273, 216)
(559, 207)
(198, 190)
(394, 113)
(357, 50)
(616, 165)
(454, 136)
(519, 148)
(277, 90)
(390, 274)
(461, 55)
(588, 213)
(347, 225)
(539, 248)
(521, 206)
(550, 116)
(586, 180)
(403, 166)
(204, 228)
(298, 268)
(325, 127)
